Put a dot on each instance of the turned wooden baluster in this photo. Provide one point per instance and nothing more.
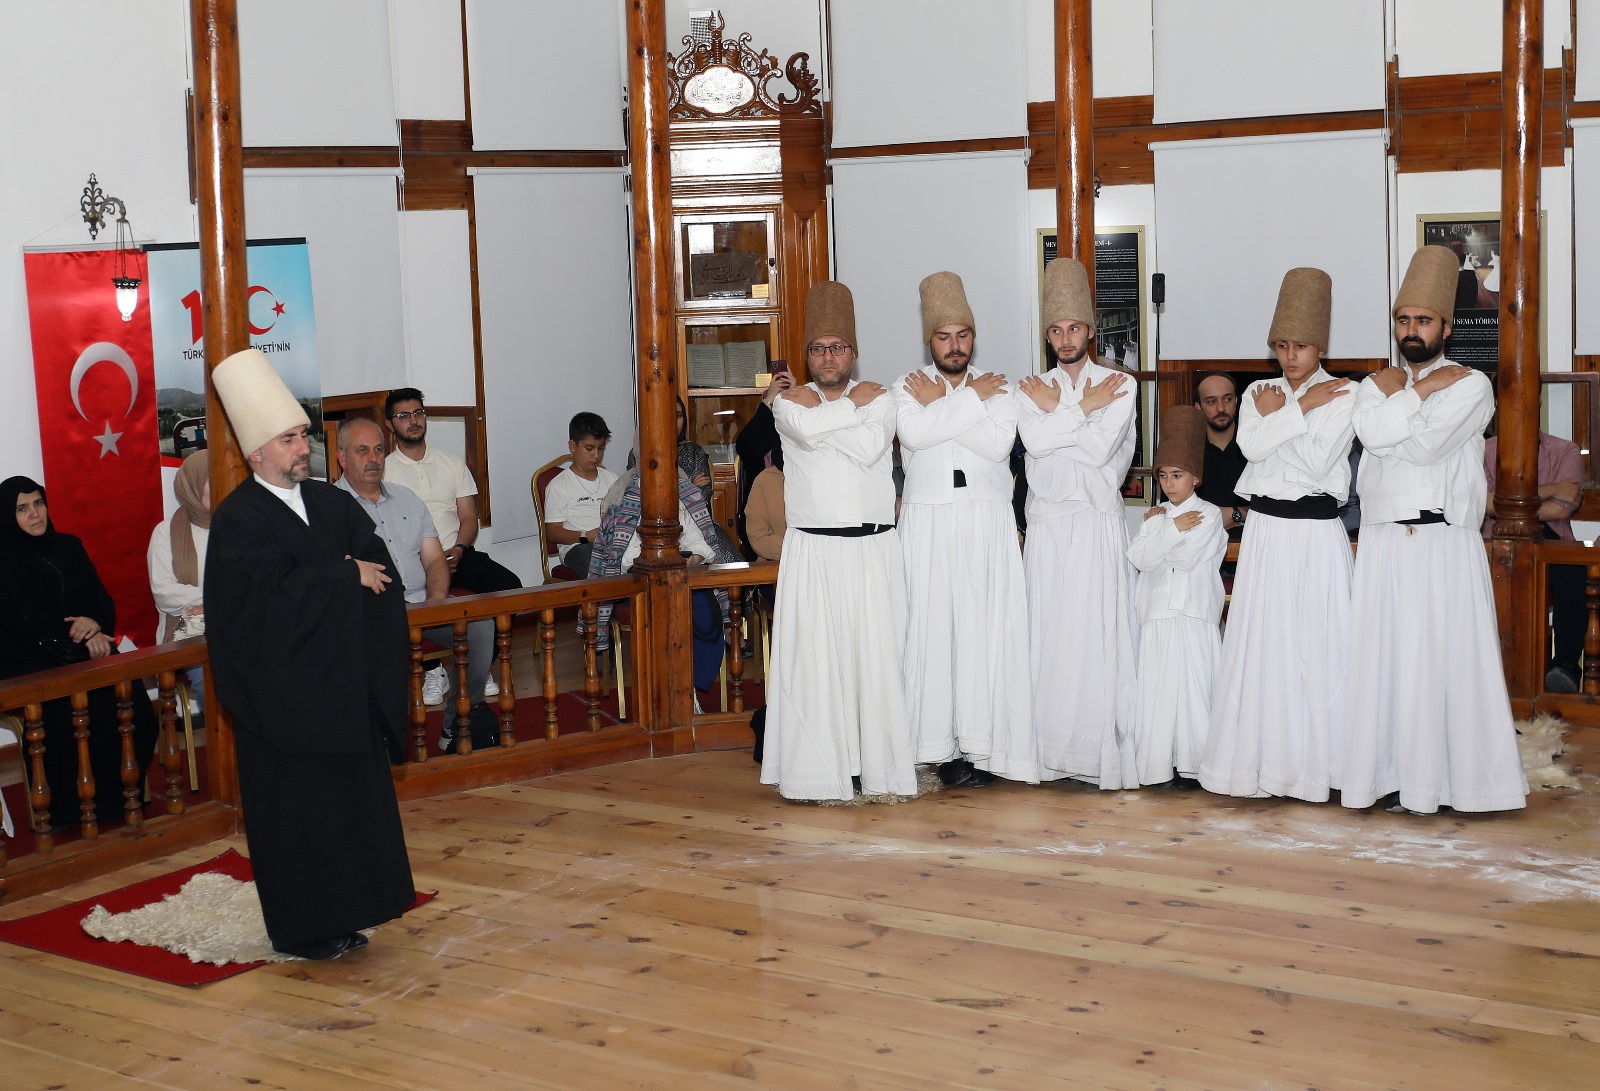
(167, 746)
(1591, 636)
(591, 657)
(38, 785)
(132, 775)
(736, 646)
(418, 713)
(502, 664)
(80, 732)
(458, 630)
(547, 637)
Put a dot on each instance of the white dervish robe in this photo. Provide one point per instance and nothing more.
(1179, 603)
(1277, 712)
(966, 657)
(1081, 627)
(1427, 710)
(835, 706)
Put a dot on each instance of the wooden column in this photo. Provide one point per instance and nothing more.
(1522, 633)
(1074, 133)
(224, 283)
(664, 693)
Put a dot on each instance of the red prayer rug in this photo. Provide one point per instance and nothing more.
(59, 931)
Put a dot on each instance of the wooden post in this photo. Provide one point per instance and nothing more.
(219, 184)
(664, 695)
(1522, 633)
(1074, 134)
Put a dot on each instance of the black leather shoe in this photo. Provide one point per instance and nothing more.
(1561, 679)
(1183, 784)
(952, 774)
(855, 783)
(357, 941)
(980, 778)
(317, 950)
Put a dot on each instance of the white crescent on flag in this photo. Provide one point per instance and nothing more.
(104, 352)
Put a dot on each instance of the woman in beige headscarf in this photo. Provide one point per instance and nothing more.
(177, 554)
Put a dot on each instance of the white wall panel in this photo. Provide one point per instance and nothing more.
(352, 231)
(954, 71)
(557, 317)
(1121, 44)
(1586, 232)
(1441, 37)
(1587, 86)
(781, 27)
(1253, 58)
(314, 73)
(1235, 215)
(546, 74)
(427, 59)
(897, 219)
(437, 279)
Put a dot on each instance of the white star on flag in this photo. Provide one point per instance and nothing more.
(108, 441)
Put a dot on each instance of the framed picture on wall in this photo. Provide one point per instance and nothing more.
(1119, 310)
(1475, 325)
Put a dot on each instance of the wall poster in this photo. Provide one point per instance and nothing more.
(1475, 326)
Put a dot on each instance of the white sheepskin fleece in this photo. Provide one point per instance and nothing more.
(214, 918)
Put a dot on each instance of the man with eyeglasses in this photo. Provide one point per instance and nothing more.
(966, 658)
(836, 710)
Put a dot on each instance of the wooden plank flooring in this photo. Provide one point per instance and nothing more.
(672, 924)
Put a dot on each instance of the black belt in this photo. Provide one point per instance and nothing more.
(961, 479)
(1316, 506)
(1423, 519)
(865, 530)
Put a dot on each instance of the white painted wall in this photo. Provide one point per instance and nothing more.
(426, 36)
(1121, 41)
(436, 279)
(1439, 37)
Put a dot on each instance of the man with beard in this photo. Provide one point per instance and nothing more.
(308, 654)
(1077, 423)
(1428, 722)
(835, 711)
(446, 486)
(966, 658)
(1217, 398)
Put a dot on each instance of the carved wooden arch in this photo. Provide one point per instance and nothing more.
(721, 80)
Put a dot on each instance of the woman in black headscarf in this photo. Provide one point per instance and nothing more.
(54, 612)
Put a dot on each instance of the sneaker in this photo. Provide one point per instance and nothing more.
(698, 711)
(491, 688)
(435, 684)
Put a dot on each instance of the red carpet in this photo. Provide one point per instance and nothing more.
(58, 931)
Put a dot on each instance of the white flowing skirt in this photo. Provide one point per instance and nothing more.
(1277, 710)
(1083, 637)
(836, 707)
(1428, 714)
(1177, 665)
(966, 660)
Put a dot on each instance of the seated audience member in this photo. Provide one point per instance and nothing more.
(176, 559)
(55, 612)
(764, 512)
(755, 444)
(695, 464)
(407, 529)
(445, 484)
(1560, 492)
(572, 499)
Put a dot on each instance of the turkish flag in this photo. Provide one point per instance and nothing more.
(95, 377)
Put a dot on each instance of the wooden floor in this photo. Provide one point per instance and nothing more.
(672, 924)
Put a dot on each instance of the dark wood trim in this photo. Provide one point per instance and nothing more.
(311, 158)
(932, 147)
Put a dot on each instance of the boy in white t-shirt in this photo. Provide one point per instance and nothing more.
(572, 500)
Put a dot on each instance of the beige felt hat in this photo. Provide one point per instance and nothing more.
(1066, 294)
(831, 312)
(1182, 440)
(258, 402)
(1430, 281)
(944, 303)
(1305, 302)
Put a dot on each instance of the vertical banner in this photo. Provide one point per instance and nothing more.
(96, 388)
(282, 325)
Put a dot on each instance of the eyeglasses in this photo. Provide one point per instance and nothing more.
(827, 350)
(415, 414)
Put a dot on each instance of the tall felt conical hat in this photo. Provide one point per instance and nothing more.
(1066, 294)
(258, 402)
(831, 312)
(1305, 302)
(1182, 440)
(944, 303)
(1430, 281)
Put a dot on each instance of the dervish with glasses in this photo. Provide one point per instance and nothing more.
(836, 713)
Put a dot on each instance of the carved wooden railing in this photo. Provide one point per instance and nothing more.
(1584, 706)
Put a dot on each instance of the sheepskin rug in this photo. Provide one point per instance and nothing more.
(214, 919)
(1541, 741)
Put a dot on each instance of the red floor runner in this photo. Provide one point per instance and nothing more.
(59, 931)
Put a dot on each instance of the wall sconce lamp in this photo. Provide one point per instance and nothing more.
(95, 204)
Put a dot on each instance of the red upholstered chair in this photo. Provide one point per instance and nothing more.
(553, 569)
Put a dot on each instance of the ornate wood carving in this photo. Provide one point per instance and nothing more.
(721, 80)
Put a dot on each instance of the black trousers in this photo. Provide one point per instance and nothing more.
(482, 574)
(1569, 604)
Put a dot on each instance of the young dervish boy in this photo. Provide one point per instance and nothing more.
(1178, 552)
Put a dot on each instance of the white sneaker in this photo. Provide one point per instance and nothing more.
(697, 709)
(491, 688)
(435, 684)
